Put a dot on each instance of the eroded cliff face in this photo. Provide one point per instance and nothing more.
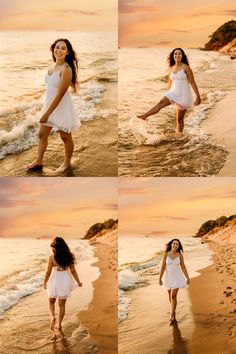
(222, 37)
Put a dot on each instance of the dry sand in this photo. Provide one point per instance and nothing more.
(95, 152)
(25, 327)
(213, 297)
(221, 123)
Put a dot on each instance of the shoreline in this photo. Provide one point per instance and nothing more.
(222, 126)
(95, 152)
(25, 326)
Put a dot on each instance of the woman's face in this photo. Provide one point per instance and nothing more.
(175, 245)
(178, 56)
(60, 50)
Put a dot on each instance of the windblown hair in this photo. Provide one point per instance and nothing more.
(168, 246)
(71, 59)
(170, 58)
(62, 253)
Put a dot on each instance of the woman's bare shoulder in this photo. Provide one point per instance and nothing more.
(66, 68)
(186, 67)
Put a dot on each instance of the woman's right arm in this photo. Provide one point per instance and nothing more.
(75, 275)
(163, 267)
(48, 272)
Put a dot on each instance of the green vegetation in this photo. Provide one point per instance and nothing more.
(222, 36)
(98, 227)
(212, 224)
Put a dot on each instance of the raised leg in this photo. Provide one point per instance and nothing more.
(180, 120)
(163, 103)
(42, 145)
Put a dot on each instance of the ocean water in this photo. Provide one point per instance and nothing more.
(24, 61)
(150, 148)
(139, 264)
(23, 264)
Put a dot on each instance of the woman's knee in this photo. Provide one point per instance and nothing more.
(42, 136)
(65, 137)
(62, 303)
(52, 300)
(173, 296)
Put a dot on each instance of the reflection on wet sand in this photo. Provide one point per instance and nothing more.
(179, 345)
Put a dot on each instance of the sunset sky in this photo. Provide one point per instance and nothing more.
(81, 15)
(46, 207)
(171, 23)
(173, 206)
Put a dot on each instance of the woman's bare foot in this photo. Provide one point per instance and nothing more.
(178, 133)
(52, 324)
(60, 330)
(62, 168)
(172, 318)
(35, 165)
(142, 116)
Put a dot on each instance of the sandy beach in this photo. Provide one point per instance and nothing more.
(222, 126)
(93, 330)
(205, 312)
(215, 311)
(95, 152)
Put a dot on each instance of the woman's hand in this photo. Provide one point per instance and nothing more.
(198, 101)
(45, 285)
(160, 282)
(80, 284)
(44, 118)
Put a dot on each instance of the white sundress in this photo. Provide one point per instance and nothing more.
(60, 283)
(173, 277)
(64, 116)
(180, 93)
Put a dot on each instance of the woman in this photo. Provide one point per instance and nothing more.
(175, 273)
(58, 110)
(58, 279)
(179, 92)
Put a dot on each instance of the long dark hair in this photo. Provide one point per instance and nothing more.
(62, 253)
(71, 59)
(168, 246)
(170, 58)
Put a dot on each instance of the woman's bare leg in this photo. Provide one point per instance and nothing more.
(62, 308)
(180, 120)
(173, 303)
(69, 148)
(52, 312)
(169, 293)
(42, 145)
(163, 103)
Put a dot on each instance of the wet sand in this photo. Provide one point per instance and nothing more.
(95, 152)
(206, 312)
(221, 124)
(25, 327)
(147, 328)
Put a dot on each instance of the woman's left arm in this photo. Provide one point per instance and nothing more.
(192, 82)
(66, 77)
(48, 272)
(183, 267)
